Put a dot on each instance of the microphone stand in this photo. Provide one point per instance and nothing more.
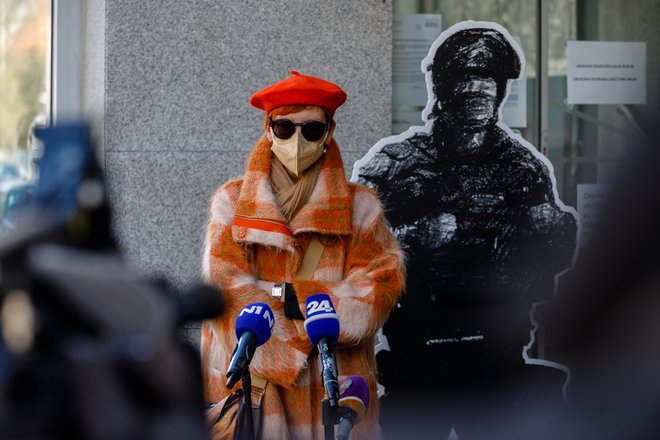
(247, 402)
(329, 412)
(329, 419)
(335, 416)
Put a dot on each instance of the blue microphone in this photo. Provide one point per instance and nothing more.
(254, 326)
(322, 326)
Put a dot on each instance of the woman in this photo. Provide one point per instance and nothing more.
(294, 188)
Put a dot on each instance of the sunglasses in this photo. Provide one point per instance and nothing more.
(311, 130)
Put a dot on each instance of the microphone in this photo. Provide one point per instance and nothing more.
(199, 303)
(254, 326)
(353, 404)
(322, 326)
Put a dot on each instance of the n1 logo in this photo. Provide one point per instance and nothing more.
(252, 310)
(256, 309)
(322, 306)
(269, 317)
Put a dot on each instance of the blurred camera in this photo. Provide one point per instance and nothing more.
(89, 349)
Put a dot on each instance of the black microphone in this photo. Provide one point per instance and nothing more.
(199, 303)
(322, 326)
(254, 326)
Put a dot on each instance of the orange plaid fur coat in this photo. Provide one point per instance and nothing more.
(361, 269)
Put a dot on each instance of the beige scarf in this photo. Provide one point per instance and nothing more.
(291, 192)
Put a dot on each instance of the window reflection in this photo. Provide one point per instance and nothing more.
(24, 28)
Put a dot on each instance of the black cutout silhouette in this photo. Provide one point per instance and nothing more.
(476, 208)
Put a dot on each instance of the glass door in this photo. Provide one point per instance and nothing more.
(576, 120)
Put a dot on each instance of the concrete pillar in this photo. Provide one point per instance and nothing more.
(178, 75)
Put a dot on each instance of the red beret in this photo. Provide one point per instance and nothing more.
(299, 89)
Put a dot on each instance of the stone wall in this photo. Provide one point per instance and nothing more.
(177, 122)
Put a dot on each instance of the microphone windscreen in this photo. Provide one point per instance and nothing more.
(322, 321)
(257, 318)
(354, 393)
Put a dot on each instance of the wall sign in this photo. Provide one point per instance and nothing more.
(514, 110)
(590, 200)
(606, 72)
(412, 36)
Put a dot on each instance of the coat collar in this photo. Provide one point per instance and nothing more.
(258, 219)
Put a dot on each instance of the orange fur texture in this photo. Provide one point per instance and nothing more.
(361, 269)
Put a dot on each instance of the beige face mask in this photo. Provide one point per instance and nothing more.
(297, 153)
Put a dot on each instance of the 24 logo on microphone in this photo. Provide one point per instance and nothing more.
(323, 306)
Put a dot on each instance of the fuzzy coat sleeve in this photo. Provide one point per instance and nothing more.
(374, 273)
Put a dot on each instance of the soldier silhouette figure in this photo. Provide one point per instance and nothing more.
(476, 209)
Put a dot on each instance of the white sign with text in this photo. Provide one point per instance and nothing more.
(514, 110)
(412, 36)
(606, 72)
(591, 197)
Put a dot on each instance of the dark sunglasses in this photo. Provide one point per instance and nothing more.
(311, 130)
